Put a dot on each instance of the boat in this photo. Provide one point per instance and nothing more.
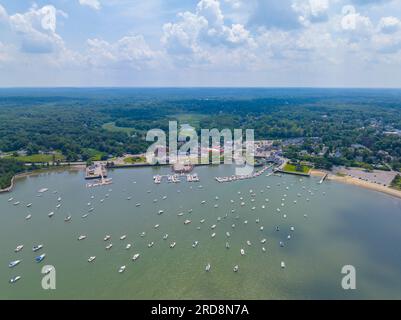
(59, 199)
(92, 258)
(164, 198)
(165, 236)
(136, 256)
(242, 252)
(29, 205)
(248, 243)
(257, 220)
(81, 237)
(15, 279)
(216, 205)
(195, 244)
(246, 221)
(12, 264)
(261, 228)
(138, 205)
(213, 234)
(207, 268)
(180, 214)
(48, 270)
(29, 216)
(11, 199)
(122, 269)
(187, 222)
(213, 226)
(277, 229)
(89, 204)
(160, 212)
(150, 245)
(58, 206)
(143, 234)
(228, 234)
(68, 218)
(281, 244)
(289, 237)
(203, 202)
(123, 237)
(16, 203)
(233, 226)
(107, 237)
(227, 245)
(129, 198)
(172, 245)
(128, 246)
(263, 249)
(91, 209)
(40, 258)
(51, 214)
(37, 248)
(19, 248)
(292, 228)
(202, 221)
(218, 218)
(263, 241)
(282, 264)
(109, 246)
(157, 226)
(236, 268)
(85, 215)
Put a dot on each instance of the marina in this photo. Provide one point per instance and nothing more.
(193, 243)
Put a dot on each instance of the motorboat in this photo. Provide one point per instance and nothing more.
(107, 237)
(213, 234)
(19, 248)
(157, 226)
(242, 252)
(282, 264)
(85, 215)
(81, 237)
(165, 236)
(12, 264)
(29, 205)
(208, 267)
(263, 241)
(29, 216)
(195, 244)
(213, 227)
(92, 258)
(109, 246)
(15, 279)
(228, 234)
(136, 256)
(202, 221)
(187, 222)
(128, 246)
(37, 247)
(51, 214)
(172, 245)
(248, 243)
(150, 245)
(143, 234)
(68, 218)
(227, 245)
(236, 268)
(160, 212)
(122, 269)
(123, 237)
(40, 258)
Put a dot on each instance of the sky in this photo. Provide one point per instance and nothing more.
(238, 43)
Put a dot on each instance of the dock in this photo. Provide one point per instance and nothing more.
(96, 171)
(243, 177)
(323, 178)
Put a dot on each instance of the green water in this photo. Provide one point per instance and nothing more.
(345, 225)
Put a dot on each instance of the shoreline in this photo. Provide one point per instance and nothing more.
(358, 183)
(37, 172)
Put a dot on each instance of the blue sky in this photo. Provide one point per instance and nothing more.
(312, 43)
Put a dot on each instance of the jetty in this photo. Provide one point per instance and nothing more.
(243, 177)
(96, 171)
(323, 178)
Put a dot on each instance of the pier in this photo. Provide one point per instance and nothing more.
(243, 177)
(323, 178)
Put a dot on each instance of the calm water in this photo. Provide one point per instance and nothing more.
(344, 225)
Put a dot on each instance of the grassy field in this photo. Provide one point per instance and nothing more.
(396, 183)
(296, 168)
(133, 160)
(110, 126)
(192, 119)
(38, 158)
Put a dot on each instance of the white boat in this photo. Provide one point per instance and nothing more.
(92, 258)
(165, 236)
(233, 226)
(19, 248)
(143, 234)
(16, 203)
(15, 279)
(228, 234)
(257, 220)
(138, 205)
(88, 204)
(207, 268)
(263, 241)
(123, 237)
(109, 246)
(14, 263)
(292, 228)
(218, 218)
(129, 198)
(246, 221)
(29, 205)
(248, 243)
(136, 256)
(180, 214)
(85, 215)
(281, 244)
(59, 199)
(213, 234)
(195, 244)
(51, 214)
(150, 245)
(107, 237)
(227, 245)
(261, 228)
(37, 247)
(58, 206)
(202, 221)
(282, 264)
(122, 269)
(43, 190)
(157, 226)
(289, 237)
(11, 199)
(91, 209)
(29, 216)
(263, 249)
(68, 218)
(213, 226)
(203, 202)
(216, 205)
(164, 198)
(187, 222)
(172, 245)
(128, 246)
(236, 268)
(242, 252)
(81, 237)
(160, 212)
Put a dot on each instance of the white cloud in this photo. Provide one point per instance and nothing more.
(389, 25)
(3, 14)
(94, 4)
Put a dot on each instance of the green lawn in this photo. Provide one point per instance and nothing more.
(133, 160)
(111, 126)
(38, 158)
(296, 168)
